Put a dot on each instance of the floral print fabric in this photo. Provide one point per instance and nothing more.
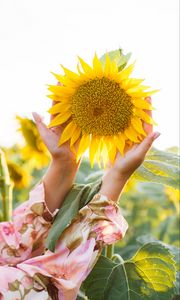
(29, 271)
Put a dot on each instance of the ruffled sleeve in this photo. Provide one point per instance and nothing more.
(24, 237)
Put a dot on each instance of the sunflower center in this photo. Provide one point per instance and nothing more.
(101, 107)
(97, 111)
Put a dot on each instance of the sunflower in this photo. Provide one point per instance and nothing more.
(34, 149)
(19, 175)
(101, 106)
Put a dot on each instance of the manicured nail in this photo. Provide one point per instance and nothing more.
(156, 135)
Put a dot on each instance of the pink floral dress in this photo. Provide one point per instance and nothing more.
(29, 271)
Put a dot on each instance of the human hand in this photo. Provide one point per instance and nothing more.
(60, 175)
(51, 137)
(117, 174)
(135, 156)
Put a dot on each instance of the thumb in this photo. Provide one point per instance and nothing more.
(147, 143)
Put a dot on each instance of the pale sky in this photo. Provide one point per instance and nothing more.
(36, 36)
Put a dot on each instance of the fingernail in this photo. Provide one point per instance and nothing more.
(156, 135)
(36, 116)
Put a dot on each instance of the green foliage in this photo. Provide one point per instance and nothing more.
(118, 57)
(5, 190)
(149, 274)
(160, 167)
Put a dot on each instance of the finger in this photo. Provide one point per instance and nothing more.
(41, 126)
(53, 103)
(52, 116)
(148, 128)
(146, 144)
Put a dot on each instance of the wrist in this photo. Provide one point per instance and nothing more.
(119, 175)
(113, 183)
(58, 180)
(65, 166)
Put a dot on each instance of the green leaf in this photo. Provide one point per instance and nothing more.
(177, 287)
(85, 171)
(173, 249)
(149, 274)
(94, 176)
(117, 56)
(78, 197)
(160, 167)
(169, 157)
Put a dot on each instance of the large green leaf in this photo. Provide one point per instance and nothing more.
(117, 56)
(174, 250)
(78, 197)
(160, 167)
(165, 156)
(149, 274)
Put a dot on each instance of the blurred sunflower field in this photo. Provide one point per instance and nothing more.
(145, 263)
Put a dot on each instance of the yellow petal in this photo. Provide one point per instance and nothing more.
(64, 80)
(70, 74)
(99, 153)
(67, 133)
(131, 134)
(120, 143)
(61, 90)
(73, 149)
(107, 68)
(144, 94)
(83, 145)
(60, 119)
(97, 66)
(125, 73)
(130, 83)
(60, 78)
(84, 76)
(137, 124)
(144, 116)
(114, 68)
(60, 107)
(142, 103)
(137, 89)
(75, 136)
(54, 97)
(112, 153)
(104, 153)
(93, 150)
(86, 68)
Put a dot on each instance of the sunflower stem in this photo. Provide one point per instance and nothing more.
(5, 189)
(109, 252)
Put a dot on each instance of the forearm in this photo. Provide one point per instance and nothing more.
(58, 181)
(113, 183)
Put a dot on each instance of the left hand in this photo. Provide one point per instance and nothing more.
(51, 137)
